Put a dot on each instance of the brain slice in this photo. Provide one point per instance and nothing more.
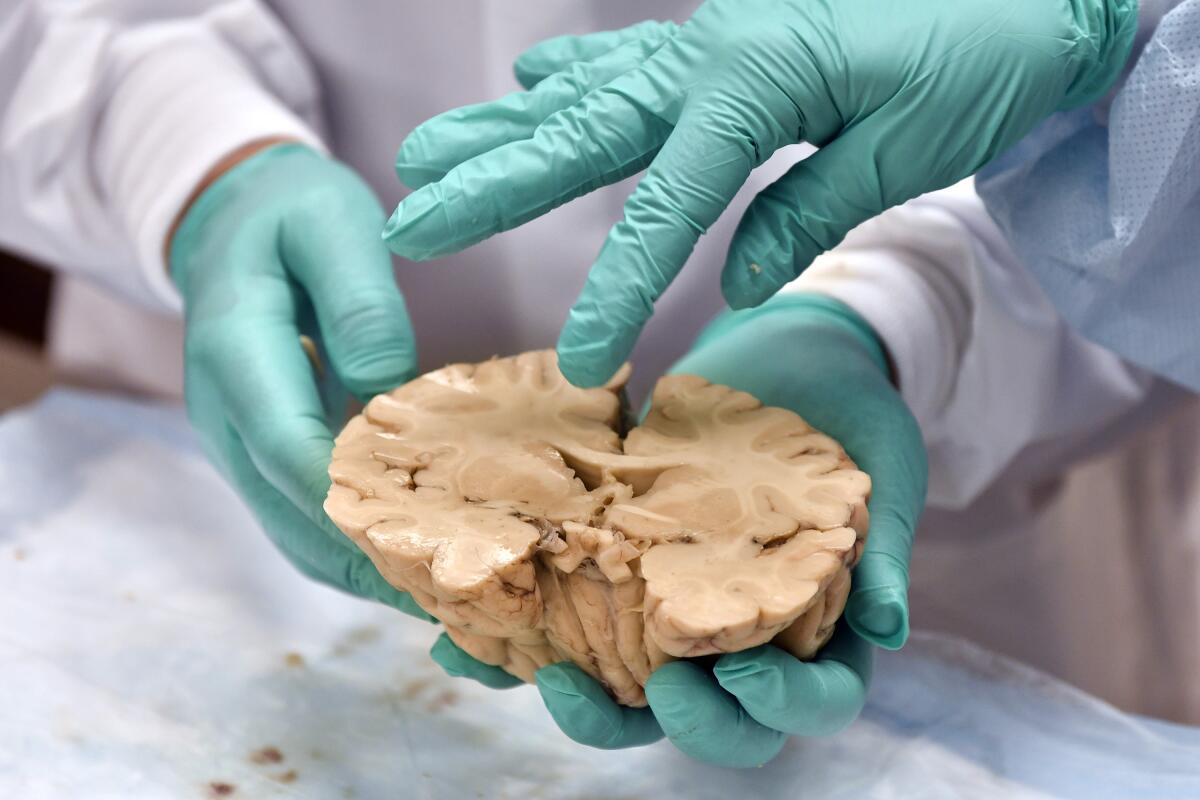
(505, 501)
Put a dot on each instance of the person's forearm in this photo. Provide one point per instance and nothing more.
(111, 118)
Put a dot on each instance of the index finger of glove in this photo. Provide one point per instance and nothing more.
(610, 134)
(556, 54)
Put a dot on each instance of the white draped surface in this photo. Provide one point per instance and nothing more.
(154, 645)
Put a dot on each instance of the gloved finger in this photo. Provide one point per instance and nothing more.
(459, 664)
(705, 721)
(610, 134)
(445, 141)
(692, 180)
(584, 712)
(309, 548)
(807, 212)
(335, 253)
(556, 54)
(878, 604)
(815, 698)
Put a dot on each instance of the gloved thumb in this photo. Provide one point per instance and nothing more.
(877, 608)
(339, 259)
(808, 211)
(369, 338)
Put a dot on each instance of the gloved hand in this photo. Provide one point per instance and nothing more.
(819, 358)
(902, 96)
(287, 243)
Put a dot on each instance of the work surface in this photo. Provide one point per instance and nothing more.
(155, 646)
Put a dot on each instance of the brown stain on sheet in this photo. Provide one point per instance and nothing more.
(286, 777)
(443, 699)
(267, 755)
(355, 638)
(410, 690)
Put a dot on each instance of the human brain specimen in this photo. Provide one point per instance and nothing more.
(506, 501)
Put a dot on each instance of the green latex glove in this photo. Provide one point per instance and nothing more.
(817, 357)
(285, 243)
(902, 96)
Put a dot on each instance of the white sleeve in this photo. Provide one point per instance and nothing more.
(111, 112)
(984, 361)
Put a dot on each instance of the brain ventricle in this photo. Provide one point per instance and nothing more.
(506, 501)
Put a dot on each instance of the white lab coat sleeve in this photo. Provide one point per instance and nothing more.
(984, 361)
(111, 112)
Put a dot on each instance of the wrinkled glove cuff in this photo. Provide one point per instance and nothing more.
(1107, 30)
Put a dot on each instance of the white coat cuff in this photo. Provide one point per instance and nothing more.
(175, 113)
(904, 312)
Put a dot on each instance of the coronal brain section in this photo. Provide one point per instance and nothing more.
(508, 503)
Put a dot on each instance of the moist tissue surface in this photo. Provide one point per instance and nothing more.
(506, 501)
